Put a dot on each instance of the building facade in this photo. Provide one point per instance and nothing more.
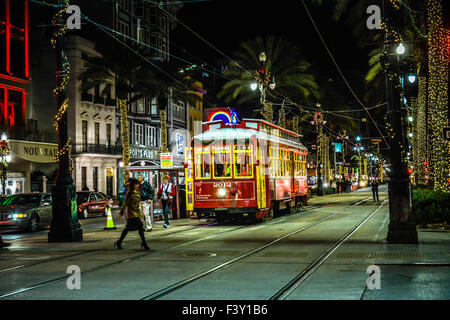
(32, 148)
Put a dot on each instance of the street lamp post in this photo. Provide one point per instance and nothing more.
(64, 226)
(401, 227)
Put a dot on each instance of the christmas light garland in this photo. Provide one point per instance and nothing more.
(125, 139)
(438, 57)
(64, 75)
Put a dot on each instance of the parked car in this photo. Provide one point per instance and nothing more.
(26, 211)
(91, 202)
(110, 199)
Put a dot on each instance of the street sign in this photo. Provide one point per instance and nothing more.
(166, 160)
(447, 134)
(338, 147)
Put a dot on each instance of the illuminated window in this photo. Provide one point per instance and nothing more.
(222, 164)
(202, 163)
(243, 159)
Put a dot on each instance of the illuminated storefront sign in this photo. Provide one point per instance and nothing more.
(143, 153)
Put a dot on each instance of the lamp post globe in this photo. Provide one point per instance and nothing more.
(400, 49)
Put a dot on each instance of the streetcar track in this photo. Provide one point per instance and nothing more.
(292, 285)
(85, 252)
(180, 284)
(206, 224)
(47, 282)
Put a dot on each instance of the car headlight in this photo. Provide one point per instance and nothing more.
(17, 216)
(221, 193)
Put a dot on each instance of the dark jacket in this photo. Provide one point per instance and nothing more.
(146, 191)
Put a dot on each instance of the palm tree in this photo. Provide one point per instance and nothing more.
(284, 65)
(129, 78)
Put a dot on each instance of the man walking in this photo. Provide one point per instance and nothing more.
(147, 194)
(166, 193)
(375, 190)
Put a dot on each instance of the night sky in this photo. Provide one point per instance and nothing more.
(227, 23)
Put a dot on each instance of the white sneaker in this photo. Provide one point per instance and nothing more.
(166, 226)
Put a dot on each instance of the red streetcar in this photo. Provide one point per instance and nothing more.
(252, 169)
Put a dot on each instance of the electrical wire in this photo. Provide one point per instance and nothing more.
(339, 70)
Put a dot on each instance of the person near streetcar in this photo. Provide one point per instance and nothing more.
(133, 208)
(375, 190)
(166, 193)
(147, 193)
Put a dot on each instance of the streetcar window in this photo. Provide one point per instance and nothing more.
(203, 165)
(222, 165)
(243, 165)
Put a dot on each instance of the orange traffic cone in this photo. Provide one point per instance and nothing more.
(109, 221)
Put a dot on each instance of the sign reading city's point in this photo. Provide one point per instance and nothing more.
(166, 160)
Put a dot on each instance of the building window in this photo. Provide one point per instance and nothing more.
(124, 28)
(153, 14)
(83, 177)
(163, 23)
(84, 134)
(95, 178)
(97, 133)
(150, 136)
(140, 106)
(108, 134)
(138, 133)
(154, 106)
(154, 44)
(140, 10)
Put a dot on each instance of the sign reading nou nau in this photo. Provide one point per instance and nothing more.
(34, 151)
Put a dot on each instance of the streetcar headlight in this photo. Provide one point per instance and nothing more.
(221, 193)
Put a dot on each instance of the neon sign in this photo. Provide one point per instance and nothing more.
(220, 115)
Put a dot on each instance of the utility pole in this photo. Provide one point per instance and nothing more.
(64, 226)
(401, 227)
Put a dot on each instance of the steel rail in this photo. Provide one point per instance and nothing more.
(178, 285)
(286, 290)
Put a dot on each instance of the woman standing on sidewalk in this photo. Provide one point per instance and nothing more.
(132, 204)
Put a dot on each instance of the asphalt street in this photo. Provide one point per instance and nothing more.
(325, 251)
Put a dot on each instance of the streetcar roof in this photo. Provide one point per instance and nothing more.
(243, 134)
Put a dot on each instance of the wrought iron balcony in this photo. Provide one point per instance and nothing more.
(96, 148)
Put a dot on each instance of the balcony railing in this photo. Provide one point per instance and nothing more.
(96, 148)
(86, 97)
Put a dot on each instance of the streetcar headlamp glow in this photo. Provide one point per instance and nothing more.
(222, 193)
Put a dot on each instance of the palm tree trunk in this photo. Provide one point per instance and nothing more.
(125, 139)
(438, 56)
(420, 131)
(163, 117)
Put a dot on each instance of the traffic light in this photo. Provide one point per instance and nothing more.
(358, 138)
